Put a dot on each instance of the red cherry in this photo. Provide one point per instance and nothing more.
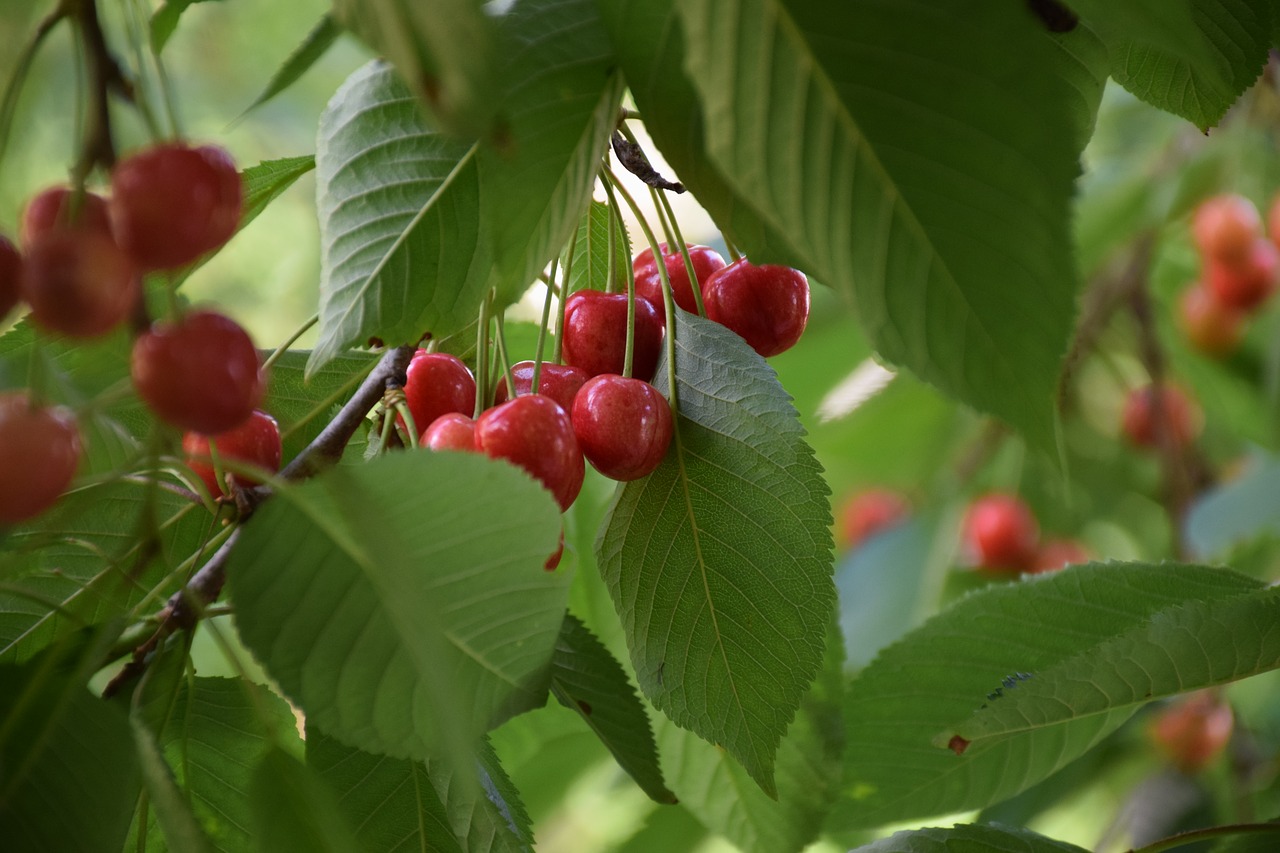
(554, 559)
(1194, 731)
(706, 261)
(532, 431)
(1210, 326)
(256, 441)
(1225, 226)
(868, 513)
(79, 283)
(1273, 220)
(51, 208)
(39, 452)
(560, 382)
(1181, 415)
(436, 384)
(1059, 553)
(200, 374)
(1001, 532)
(454, 431)
(172, 203)
(1245, 283)
(768, 306)
(10, 276)
(595, 334)
(623, 426)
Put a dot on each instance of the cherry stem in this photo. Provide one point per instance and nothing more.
(734, 254)
(504, 363)
(615, 215)
(9, 103)
(542, 324)
(667, 233)
(694, 284)
(482, 359)
(1194, 835)
(292, 339)
(401, 407)
(98, 147)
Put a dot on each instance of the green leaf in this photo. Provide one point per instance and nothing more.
(1179, 648)
(391, 802)
(920, 158)
(165, 20)
(1189, 57)
(173, 813)
(370, 594)
(590, 268)
(718, 792)
(588, 680)
(293, 810)
(315, 45)
(938, 674)
(265, 182)
(302, 404)
(969, 839)
(719, 562)
(489, 818)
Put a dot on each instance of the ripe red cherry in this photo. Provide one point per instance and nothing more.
(768, 306)
(1210, 326)
(1273, 220)
(1193, 731)
(454, 431)
(1001, 532)
(436, 384)
(595, 334)
(706, 261)
(532, 431)
(1181, 416)
(52, 208)
(200, 374)
(256, 441)
(1245, 283)
(560, 382)
(623, 426)
(172, 203)
(870, 512)
(1059, 553)
(1225, 226)
(554, 559)
(39, 452)
(10, 276)
(78, 283)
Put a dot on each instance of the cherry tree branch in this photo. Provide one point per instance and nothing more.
(104, 77)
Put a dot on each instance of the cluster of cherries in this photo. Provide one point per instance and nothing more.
(80, 269)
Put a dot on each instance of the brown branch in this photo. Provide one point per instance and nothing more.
(633, 158)
(104, 77)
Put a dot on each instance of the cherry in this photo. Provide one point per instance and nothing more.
(554, 559)
(1225, 226)
(52, 208)
(452, 431)
(1059, 553)
(560, 382)
(1245, 283)
(1001, 532)
(1192, 732)
(867, 513)
(1273, 220)
(39, 452)
(256, 441)
(172, 203)
(533, 432)
(595, 334)
(10, 276)
(623, 426)
(1181, 416)
(768, 306)
(1210, 326)
(706, 261)
(436, 384)
(78, 283)
(200, 373)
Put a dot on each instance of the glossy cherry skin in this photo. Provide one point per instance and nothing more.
(172, 203)
(200, 374)
(1193, 731)
(52, 209)
(595, 334)
(1058, 554)
(436, 384)
(256, 441)
(560, 382)
(870, 512)
(1225, 226)
(1245, 284)
(453, 431)
(10, 276)
(1209, 326)
(1001, 533)
(78, 283)
(39, 452)
(623, 426)
(768, 306)
(706, 261)
(532, 431)
(1181, 415)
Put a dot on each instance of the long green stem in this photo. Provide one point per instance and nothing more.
(542, 326)
(9, 103)
(504, 363)
(615, 215)
(482, 358)
(293, 339)
(694, 285)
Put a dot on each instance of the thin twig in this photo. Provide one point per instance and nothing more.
(104, 78)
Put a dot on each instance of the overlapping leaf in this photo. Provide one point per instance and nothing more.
(919, 157)
(293, 810)
(590, 267)
(969, 839)
(719, 562)
(304, 404)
